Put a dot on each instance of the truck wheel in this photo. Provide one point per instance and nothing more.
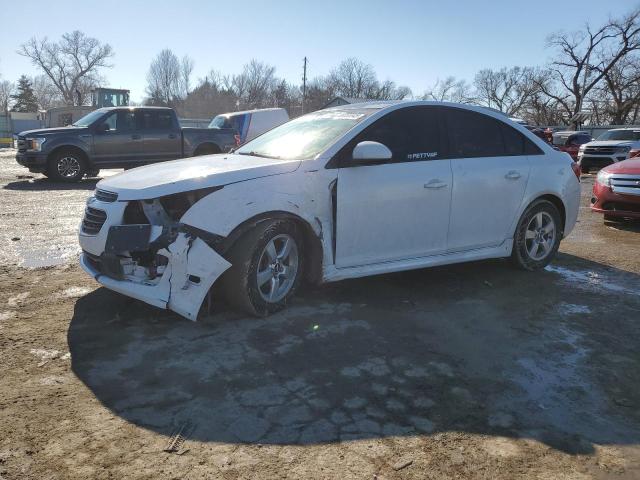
(266, 268)
(66, 166)
(537, 236)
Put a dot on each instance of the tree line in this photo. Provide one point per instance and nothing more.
(594, 70)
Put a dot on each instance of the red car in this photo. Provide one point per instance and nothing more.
(570, 142)
(616, 191)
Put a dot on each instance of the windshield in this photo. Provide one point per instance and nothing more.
(620, 135)
(306, 136)
(89, 118)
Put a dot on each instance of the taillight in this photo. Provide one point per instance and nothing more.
(634, 153)
(237, 138)
(576, 169)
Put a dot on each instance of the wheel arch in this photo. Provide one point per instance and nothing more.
(73, 148)
(557, 202)
(312, 248)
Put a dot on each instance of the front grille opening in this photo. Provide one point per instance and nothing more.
(93, 220)
(621, 207)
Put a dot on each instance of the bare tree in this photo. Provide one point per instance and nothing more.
(7, 89)
(353, 78)
(186, 68)
(164, 79)
(621, 90)
(507, 89)
(46, 93)
(254, 86)
(73, 64)
(585, 58)
(450, 90)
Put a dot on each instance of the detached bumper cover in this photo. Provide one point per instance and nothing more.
(192, 269)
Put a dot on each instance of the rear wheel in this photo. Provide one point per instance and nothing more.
(537, 236)
(266, 268)
(66, 166)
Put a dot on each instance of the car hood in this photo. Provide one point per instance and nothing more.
(610, 143)
(157, 180)
(51, 131)
(629, 167)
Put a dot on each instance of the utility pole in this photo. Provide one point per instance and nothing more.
(304, 83)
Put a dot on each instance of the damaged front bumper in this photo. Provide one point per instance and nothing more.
(178, 278)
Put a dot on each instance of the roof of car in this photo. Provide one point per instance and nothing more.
(136, 107)
(242, 112)
(627, 129)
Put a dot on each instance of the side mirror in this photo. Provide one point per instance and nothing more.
(371, 151)
(104, 127)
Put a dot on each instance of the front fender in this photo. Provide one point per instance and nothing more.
(222, 211)
(54, 144)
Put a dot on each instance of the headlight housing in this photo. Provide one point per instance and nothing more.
(582, 147)
(35, 144)
(624, 149)
(604, 178)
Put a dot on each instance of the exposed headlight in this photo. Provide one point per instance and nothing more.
(35, 144)
(624, 149)
(582, 147)
(603, 178)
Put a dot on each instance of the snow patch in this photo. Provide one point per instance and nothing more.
(590, 280)
(572, 309)
(18, 299)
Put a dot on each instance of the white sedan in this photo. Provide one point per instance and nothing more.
(345, 192)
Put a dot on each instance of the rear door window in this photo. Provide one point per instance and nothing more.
(155, 120)
(472, 134)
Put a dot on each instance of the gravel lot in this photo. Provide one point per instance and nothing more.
(468, 371)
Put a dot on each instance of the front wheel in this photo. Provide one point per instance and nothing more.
(266, 268)
(537, 237)
(66, 166)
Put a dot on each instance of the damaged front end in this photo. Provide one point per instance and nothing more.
(141, 249)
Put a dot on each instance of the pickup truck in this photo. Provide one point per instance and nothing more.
(118, 137)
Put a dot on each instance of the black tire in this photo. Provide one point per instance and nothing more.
(240, 282)
(521, 255)
(66, 166)
(93, 173)
(584, 170)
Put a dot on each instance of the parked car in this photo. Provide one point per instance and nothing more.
(570, 141)
(610, 147)
(345, 192)
(119, 137)
(616, 191)
(251, 123)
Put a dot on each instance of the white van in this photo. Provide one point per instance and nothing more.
(251, 123)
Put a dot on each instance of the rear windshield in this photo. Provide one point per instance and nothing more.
(620, 135)
(227, 121)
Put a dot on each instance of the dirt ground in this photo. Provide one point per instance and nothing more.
(467, 371)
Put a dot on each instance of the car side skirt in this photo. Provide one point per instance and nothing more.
(332, 274)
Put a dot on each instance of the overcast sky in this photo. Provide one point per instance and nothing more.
(411, 42)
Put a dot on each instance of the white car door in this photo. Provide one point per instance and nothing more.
(399, 209)
(490, 171)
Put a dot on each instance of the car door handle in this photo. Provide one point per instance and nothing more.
(435, 184)
(136, 137)
(512, 175)
(172, 135)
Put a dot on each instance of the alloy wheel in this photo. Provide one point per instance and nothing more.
(540, 236)
(277, 268)
(68, 167)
